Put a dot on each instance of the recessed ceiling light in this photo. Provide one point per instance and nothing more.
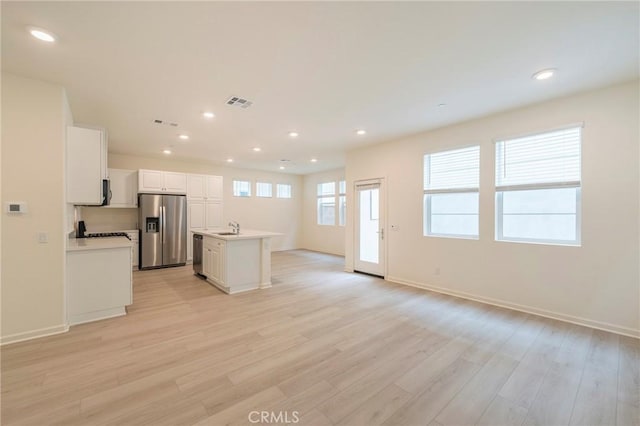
(293, 134)
(544, 74)
(361, 132)
(314, 160)
(41, 34)
(208, 114)
(281, 167)
(183, 137)
(229, 160)
(166, 151)
(257, 149)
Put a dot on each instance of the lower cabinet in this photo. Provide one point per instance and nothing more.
(135, 248)
(98, 284)
(232, 266)
(213, 263)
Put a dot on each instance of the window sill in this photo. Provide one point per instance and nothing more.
(540, 243)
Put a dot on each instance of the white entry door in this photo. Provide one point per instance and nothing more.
(369, 220)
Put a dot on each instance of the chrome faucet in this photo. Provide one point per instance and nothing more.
(235, 226)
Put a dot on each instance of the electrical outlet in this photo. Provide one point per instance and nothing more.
(43, 237)
(437, 271)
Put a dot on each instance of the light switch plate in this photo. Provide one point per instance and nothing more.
(15, 207)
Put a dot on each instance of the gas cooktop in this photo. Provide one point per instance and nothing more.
(107, 234)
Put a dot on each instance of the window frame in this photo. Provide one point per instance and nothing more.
(337, 195)
(342, 195)
(500, 190)
(258, 183)
(233, 188)
(290, 190)
(428, 193)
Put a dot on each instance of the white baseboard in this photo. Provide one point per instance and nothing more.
(599, 325)
(97, 315)
(33, 334)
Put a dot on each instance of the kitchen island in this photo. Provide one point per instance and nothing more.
(99, 278)
(237, 262)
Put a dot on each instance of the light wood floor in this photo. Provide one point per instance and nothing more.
(336, 348)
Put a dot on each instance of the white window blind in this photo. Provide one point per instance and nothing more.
(538, 184)
(264, 189)
(241, 188)
(456, 170)
(342, 203)
(284, 190)
(451, 182)
(545, 160)
(326, 188)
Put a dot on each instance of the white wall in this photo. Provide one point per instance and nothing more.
(268, 214)
(596, 284)
(322, 238)
(34, 118)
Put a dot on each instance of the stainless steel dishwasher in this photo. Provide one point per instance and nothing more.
(197, 254)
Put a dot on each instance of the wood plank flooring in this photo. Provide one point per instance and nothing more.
(323, 347)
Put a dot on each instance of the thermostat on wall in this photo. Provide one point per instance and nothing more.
(15, 207)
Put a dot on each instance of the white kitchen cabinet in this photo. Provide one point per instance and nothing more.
(213, 260)
(135, 248)
(196, 214)
(98, 283)
(124, 185)
(207, 257)
(189, 246)
(204, 187)
(213, 187)
(202, 215)
(157, 181)
(213, 214)
(237, 263)
(86, 165)
(196, 187)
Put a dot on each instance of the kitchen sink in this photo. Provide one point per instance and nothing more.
(226, 233)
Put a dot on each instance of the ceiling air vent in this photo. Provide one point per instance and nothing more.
(165, 123)
(239, 102)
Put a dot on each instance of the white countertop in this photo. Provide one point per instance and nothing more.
(80, 244)
(245, 234)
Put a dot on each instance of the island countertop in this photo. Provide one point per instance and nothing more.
(81, 244)
(245, 234)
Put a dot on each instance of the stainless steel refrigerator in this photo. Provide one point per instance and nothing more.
(162, 220)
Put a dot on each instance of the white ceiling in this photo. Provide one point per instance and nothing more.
(323, 69)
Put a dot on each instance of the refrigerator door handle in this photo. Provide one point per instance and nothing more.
(163, 224)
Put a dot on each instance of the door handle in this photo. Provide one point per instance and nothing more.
(382, 233)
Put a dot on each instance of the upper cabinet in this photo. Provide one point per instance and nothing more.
(86, 165)
(204, 187)
(156, 181)
(124, 188)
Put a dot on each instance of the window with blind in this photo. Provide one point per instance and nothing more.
(538, 180)
(451, 181)
(264, 189)
(342, 203)
(283, 190)
(327, 203)
(241, 188)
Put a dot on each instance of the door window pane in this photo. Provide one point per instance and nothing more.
(369, 227)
